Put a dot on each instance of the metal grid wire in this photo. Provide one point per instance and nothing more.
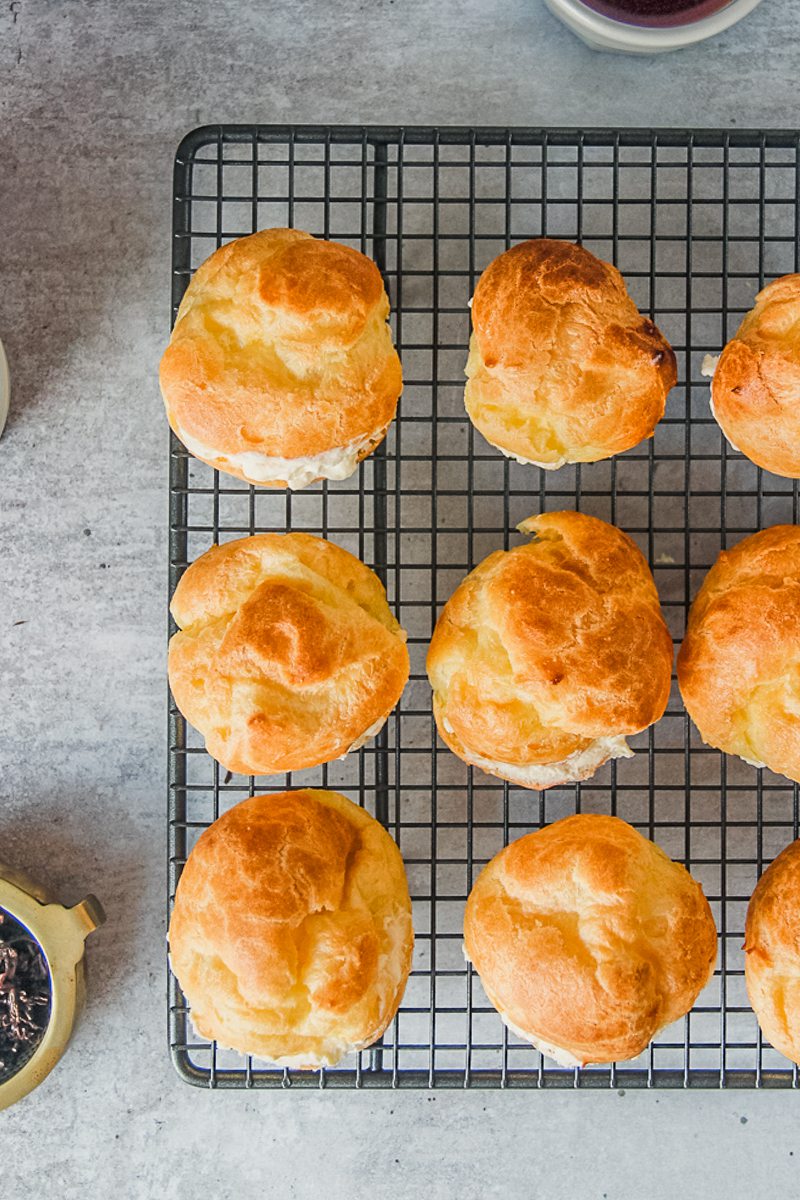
(696, 222)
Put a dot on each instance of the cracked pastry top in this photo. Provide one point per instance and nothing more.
(291, 934)
(287, 654)
(755, 389)
(281, 367)
(588, 939)
(739, 665)
(547, 655)
(562, 368)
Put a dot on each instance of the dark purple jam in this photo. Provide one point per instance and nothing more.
(25, 995)
(656, 12)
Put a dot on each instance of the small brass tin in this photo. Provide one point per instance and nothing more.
(61, 933)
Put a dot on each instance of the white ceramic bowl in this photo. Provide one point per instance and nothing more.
(604, 33)
(5, 387)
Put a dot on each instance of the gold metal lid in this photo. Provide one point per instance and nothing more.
(61, 932)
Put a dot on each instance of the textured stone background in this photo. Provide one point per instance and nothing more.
(94, 98)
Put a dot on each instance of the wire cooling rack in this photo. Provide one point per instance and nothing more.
(696, 222)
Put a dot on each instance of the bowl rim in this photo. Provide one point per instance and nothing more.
(590, 21)
(5, 387)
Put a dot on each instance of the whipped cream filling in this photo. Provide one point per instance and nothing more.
(561, 1056)
(337, 463)
(304, 1062)
(707, 368)
(753, 762)
(374, 728)
(579, 765)
(529, 462)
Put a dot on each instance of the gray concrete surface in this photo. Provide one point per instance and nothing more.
(93, 100)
